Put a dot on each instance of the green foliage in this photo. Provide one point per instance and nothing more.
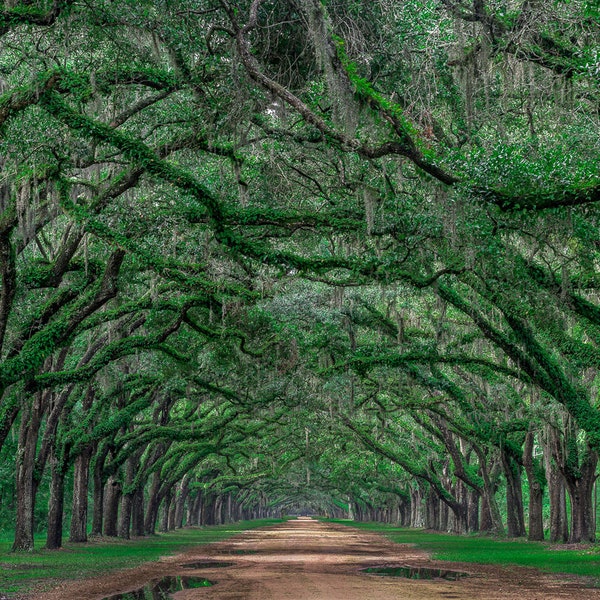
(346, 258)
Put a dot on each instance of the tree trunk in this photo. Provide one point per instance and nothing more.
(56, 505)
(217, 511)
(490, 519)
(164, 521)
(515, 516)
(229, 516)
(132, 464)
(473, 511)
(125, 516)
(537, 481)
(112, 495)
(152, 507)
(208, 512)
(81, 475)
(81, 482)
(581, 494)
(172, 511)
(444, 514)
(416, 513)
(98, 512)
(25, 493)
(559, 528)
(457, 521)
(26, 486)
(432, 511)
(194, 507)
(137, 514)
(182, 497)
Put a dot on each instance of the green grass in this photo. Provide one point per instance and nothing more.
(20, 572)
(489, 550)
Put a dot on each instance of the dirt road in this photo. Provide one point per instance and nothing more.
(305, 559)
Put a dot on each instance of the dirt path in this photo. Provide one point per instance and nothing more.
(305, 559)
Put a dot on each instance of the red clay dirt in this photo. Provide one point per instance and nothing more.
(305, 559)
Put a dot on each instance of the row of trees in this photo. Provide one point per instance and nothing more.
(290, 254)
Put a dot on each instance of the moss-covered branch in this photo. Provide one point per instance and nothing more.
(110, 353)
(25, 14)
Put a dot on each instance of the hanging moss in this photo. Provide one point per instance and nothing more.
(110, 353)
(557, 384)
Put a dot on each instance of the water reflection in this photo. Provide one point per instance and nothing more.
(162, 588)
(208, 564)
(416, 572)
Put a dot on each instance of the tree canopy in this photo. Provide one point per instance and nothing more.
(296, 255)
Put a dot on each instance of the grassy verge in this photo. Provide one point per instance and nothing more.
(20, 572)
(488, 550)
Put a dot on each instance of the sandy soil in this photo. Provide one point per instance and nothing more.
(304, 559)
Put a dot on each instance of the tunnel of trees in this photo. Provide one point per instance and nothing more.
(270, 256)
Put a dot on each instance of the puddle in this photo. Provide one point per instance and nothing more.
(416, 572)
(240, 552)
(208, 564)
(163, 588)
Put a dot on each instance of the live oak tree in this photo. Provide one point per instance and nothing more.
(234, 236)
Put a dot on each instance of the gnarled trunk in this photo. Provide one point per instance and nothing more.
(559, 527)
(490, 517)
(581, 494)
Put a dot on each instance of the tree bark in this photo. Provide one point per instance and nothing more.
(98, 512)
(537, 481)
(416, 513)
(432, 511)
(81, 475)
(152, 507)
(515, 515)
(182, 498)
(56, 504)
(137, 514)
(581, 494)
(26, 483)
(559, 527)
(172, 511)
(112, 495)
(490, 517)
(208, 512)
(194, 507)
(164, 521)
(132, 464)
(473, 510)
(125, 516)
